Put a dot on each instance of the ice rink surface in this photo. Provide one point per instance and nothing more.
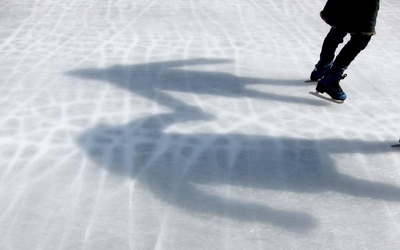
(188, 125)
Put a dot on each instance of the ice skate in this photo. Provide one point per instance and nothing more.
(321, 68)
(330, 84)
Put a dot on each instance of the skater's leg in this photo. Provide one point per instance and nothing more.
(350, 51)
(331, 42)
(330, 83)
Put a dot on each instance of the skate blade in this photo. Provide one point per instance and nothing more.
(396, 146)
(311, 80)
(319, 95)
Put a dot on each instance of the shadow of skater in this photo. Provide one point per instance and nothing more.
(151, 79)
(175, 167)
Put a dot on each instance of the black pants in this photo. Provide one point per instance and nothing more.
(357, 43)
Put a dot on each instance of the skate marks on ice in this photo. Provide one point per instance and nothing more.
(179, 169)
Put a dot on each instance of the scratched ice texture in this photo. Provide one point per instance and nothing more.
(187, 124)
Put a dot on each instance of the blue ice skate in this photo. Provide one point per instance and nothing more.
(321, 69)
(330, 84)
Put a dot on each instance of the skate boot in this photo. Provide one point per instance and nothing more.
(321, 68)
(330, 83)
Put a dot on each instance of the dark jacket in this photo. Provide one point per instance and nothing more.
(352, 16)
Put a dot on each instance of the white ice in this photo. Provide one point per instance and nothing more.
(187, 124)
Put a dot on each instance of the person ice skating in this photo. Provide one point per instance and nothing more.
(354, 17)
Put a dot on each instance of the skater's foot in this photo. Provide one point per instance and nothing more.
(330, 84)
(332, 89)
(321, 69)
